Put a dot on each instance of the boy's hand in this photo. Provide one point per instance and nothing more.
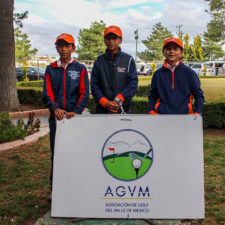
(59, 113)
(112, 106)
(69, 115)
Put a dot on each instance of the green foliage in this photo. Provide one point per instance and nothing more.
(215, 35)
(192, 52)
(30, 96)
(36, 83)
(18, 17)
(212, 49)
(8, 131)
(214, 115)
(154, 65)
(154, 43)
(215, 28)
(23, 51)
(91, 41)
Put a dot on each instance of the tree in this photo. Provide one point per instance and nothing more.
(91, 41)
(197, 49)
(187, 48)
(8, 92)
(216, 27)
(214, 37)
(23, 49)
(154, 43)
(18, 17)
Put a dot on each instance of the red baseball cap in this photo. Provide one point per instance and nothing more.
(174, 40)
(66, 37)
(113, 29)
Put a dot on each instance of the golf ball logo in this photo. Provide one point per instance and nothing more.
(127, 155)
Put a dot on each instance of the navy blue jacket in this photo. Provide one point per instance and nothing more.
(173, 92)
(66, 89)
(113, 75)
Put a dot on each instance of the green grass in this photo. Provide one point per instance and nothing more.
(24, 182)
(121, 167)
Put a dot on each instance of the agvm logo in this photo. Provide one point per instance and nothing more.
(127, 155)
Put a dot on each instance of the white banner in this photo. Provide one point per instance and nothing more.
(129, 166)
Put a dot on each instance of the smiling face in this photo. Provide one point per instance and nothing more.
(112, 42)
(173, 53)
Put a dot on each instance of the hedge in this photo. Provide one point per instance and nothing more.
(38, 83)
(213, 113)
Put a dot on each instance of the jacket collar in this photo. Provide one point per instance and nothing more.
(112, 55)
(172, 68)
(58, 63)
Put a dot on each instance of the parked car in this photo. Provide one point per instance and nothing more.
(144, 70)
(33, 73)
(202, 69)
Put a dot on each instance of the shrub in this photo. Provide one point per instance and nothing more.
(8, 131)
(38, 83)
(213, 113)
(30, 96)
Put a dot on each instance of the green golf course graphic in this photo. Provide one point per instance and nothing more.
(121, 160)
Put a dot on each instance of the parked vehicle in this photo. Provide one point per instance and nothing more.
(202, 69)
(216, 67)
(33, 73)
(144, 70)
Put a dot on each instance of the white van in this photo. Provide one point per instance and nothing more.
(216, 67)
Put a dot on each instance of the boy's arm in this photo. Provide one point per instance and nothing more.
(95, 89)
(129, 91)
(197, 92)
(83, 92)
(48, 94)
(153, 95)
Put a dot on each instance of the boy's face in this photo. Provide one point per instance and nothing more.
(112, 42)
(173, 53)
(64, 49)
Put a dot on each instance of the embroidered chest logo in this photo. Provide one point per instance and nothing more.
(121, 69)
(73, 74)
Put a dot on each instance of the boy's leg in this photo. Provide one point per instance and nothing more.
(52, 127)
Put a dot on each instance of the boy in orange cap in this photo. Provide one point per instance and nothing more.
(174, 85)
(66, 86)
(114, 76)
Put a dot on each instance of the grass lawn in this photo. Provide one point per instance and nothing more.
(24, 181)
(214, 88)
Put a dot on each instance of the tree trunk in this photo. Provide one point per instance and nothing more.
(8, 92)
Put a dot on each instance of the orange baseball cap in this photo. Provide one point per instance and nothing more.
(113, 29)
(174, 40)
(66, 37)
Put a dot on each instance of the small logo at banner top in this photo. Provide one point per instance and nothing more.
(127, 155)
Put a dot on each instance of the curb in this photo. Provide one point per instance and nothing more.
(44, 130)
(36, 113)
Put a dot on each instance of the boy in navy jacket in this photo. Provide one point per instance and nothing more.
(66, 86)
(114, 76)
(174, 86)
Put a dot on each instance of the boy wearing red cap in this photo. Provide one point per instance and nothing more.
(114, 76)
(174, 86)
(66, 86)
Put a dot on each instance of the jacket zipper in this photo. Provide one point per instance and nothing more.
(173, 79)
(64, 97)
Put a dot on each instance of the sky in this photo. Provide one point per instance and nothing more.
(49, 18)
